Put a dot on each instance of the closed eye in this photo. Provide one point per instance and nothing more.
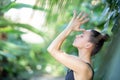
(81, 35)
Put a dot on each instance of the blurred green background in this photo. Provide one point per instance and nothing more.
(27, 27)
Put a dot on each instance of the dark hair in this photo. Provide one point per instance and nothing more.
(98, 40)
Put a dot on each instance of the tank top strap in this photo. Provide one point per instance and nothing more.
(91, 69)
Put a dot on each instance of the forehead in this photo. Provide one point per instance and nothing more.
(87, 32)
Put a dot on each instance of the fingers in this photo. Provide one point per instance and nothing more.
(80, 14)
(85, 20)
(74, 14)
(83, 17)
(78, 20)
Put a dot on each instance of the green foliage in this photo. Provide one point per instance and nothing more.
(108, 68)
(9, 5)
(10, 55)
(16, 56)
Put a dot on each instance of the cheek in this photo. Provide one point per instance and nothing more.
(78, 42)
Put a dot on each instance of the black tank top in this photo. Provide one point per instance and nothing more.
(70, 75)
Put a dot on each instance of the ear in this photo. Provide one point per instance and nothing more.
(88, 45)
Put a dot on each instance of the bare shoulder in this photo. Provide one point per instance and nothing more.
(84, 71)
(82, 66)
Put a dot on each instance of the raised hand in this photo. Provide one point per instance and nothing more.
(77, 21)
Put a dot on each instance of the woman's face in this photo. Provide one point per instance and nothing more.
(82, 39)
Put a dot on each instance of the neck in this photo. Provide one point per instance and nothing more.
(85, 55)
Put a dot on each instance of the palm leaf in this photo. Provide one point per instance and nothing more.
(21, 5)
(6, 23)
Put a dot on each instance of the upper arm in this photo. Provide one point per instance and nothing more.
(69, 61)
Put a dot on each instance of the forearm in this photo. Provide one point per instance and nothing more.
(56, 44)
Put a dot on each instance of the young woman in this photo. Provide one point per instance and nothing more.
(88, 44)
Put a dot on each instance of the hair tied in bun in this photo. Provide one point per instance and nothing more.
(105, 37)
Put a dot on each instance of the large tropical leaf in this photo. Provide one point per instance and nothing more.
(5, 23)
(21, 5)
